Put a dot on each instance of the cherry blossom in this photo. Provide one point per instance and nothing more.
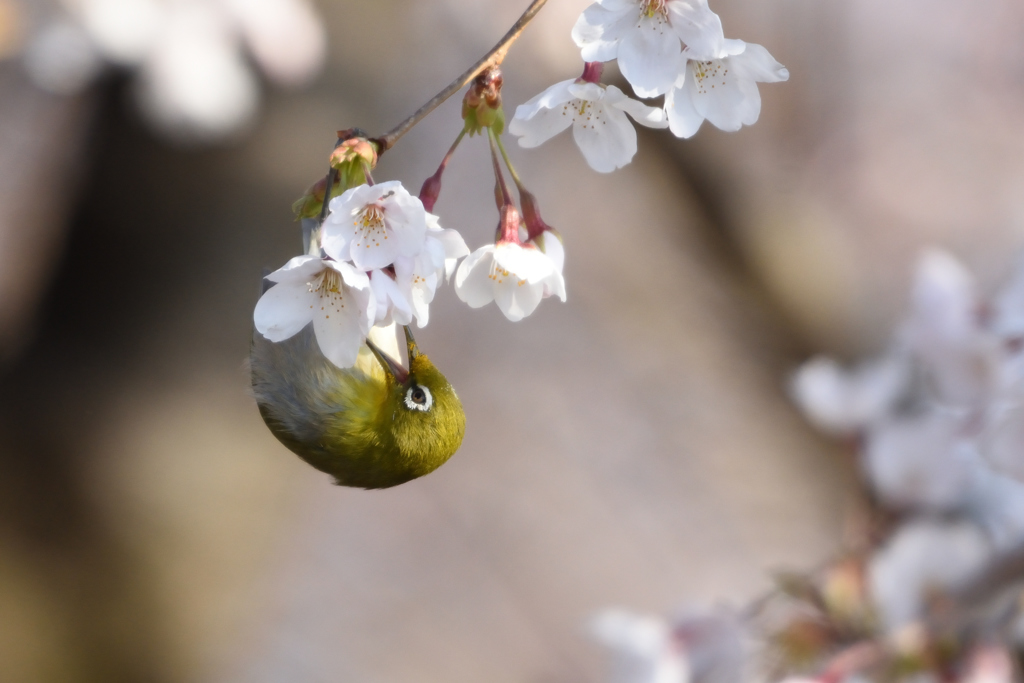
(418, 277)
(642, 649)
(922, 557)
(941, 414)
(452, 245)
(392, 304)
(515, 276)
(842, 401)
(597, 114)
(373, 225)
(194, 60)
(647, 38)
(721, 88)
(332, 295)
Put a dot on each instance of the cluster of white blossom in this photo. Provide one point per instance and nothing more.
(380, 260)
(939, 424)
(675, 48)
(193, 80)
(941, 414)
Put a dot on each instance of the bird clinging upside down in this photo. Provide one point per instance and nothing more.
(373, 425)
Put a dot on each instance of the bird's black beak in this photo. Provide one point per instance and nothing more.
(414, 350)
(390, 365)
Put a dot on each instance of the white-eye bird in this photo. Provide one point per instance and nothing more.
(374, 425)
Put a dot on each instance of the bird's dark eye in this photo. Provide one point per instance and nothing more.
(418, 398)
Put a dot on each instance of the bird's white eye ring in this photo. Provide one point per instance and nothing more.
(418, 398)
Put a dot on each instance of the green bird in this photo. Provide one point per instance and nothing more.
(373, 426)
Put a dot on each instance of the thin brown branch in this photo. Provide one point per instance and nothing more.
(491, 59)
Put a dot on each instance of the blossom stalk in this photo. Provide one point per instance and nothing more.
(431, 188)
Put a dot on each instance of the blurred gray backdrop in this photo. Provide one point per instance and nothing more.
(634, 446)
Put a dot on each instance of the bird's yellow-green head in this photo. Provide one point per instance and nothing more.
(372, 426)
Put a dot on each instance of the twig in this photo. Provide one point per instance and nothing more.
(491, 59)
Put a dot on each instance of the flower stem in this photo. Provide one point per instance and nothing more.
(491, 59)
(499, 177)
(508, 162)
(451, 150)
(432, 186)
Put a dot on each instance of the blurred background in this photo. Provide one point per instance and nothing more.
(634, 446)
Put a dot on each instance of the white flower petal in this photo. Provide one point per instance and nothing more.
(298, 269)
(997, 504)
(284, 310)
(1008, 307)
(543, 117)
(551, 245)
(454, 249)
(721, 96)
(649, 56)
(731, 48)
(585, 90)
(698, 27)
(1004, 440)
(599, 29)
(406, 219)
(551, 98)
(392, 304)
(944, 330)
(286, 37)
(841, 401)
(944, 297)
(924, 556)
(683, 118)
(607, 144)
(642, 648)
(553, 285)
(472, 281)
(351, 276)
(619, 5)
(340, 334)
(524, 263)
(422, 295)
(124, 30)
(194, 84)
(652, 117)
(921, 462)
(755, 63)
(517, 298)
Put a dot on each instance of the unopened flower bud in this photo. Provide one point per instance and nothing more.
(481, 107)
(431, 190)
(535, 225)
(354, 151)
(352, 158)
(844, 593)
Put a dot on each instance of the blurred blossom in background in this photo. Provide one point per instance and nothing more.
(191, 61)
(637, 447)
